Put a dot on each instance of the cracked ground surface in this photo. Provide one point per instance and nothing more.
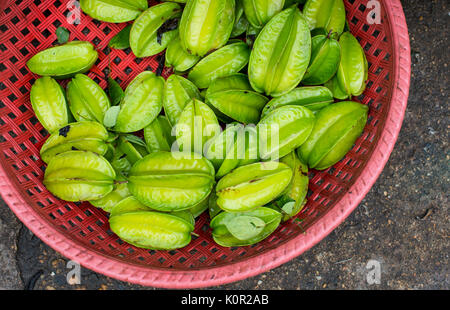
(403, 223)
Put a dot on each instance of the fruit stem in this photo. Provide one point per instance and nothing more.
(329, 33)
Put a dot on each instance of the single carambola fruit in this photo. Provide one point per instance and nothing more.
(158, 135)
(225, 61)
(241, 105)
(141, 103)
(327, 14)
(171, 181)
(49, 104)
(281, 53)
(111, 200)
(81, 136)
(178, 91)
(336, 129)
(283, 130)
(79, 176)
(154, 29)
(196, 125)
(259, 12)
(253, 185)
(244, 228)
(152, 230)
(64, 61)
(177, 58)
(325, 57)
(312, 97)
(206, 25)
(87, 100)
(353, 67)
(114, 11)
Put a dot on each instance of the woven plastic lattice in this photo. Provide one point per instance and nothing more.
(81, 232)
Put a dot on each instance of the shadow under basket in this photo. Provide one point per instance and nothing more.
(81, 232)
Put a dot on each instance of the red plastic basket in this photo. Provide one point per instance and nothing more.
(80, 231)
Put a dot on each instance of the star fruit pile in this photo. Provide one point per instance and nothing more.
(261, 92)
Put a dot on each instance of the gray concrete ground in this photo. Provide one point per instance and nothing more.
(403, 223)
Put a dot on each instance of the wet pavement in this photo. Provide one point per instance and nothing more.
(402, 225)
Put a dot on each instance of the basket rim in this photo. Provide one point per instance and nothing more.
(214, 276)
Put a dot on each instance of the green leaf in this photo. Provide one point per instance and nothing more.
(135, 140)
(62, 34)
(111, 116)
(245, 227)
(115, 92)
(122, 39)
(288, 208)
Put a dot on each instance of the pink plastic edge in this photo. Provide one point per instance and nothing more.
(214, 276)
